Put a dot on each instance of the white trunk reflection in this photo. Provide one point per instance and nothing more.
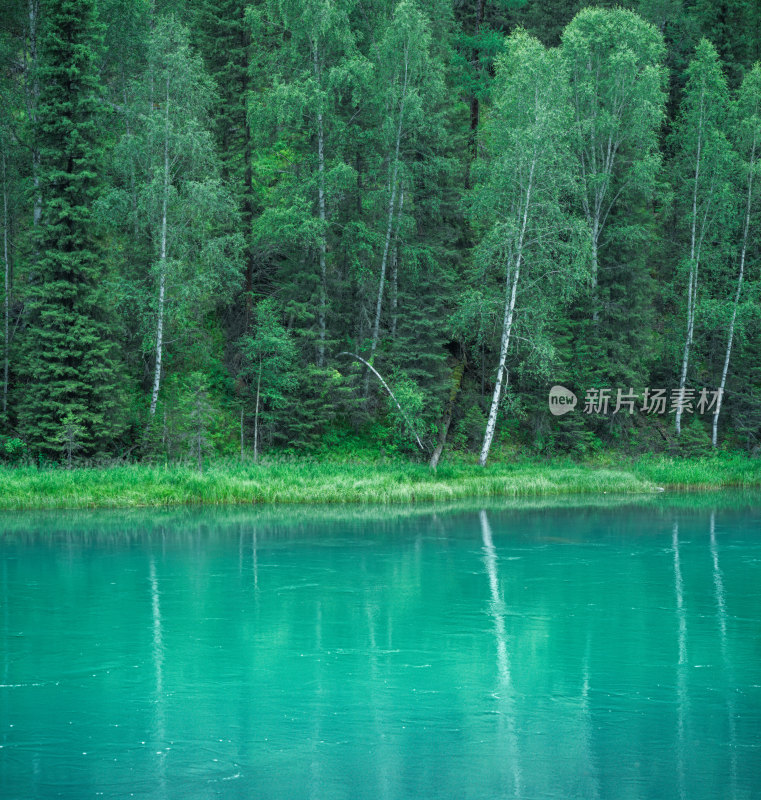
(497, 611)
(6, 626)
(254, 549)
(594, 788)
(315, 789)
(721, 606)
(158, 667)
(384, 755)
(681, 676)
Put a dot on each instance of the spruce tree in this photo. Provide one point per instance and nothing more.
(224, 39)
(69, 367)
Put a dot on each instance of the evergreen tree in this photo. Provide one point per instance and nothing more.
(224, 39)
(69, 370)
(732, 26)
(19, 173)
(13, 183)
(269, 357)
(7, 186)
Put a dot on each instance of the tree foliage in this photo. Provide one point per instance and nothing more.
(205, 204)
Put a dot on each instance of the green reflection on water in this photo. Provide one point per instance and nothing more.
(551, 648)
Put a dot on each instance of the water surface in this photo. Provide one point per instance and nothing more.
(534, 652)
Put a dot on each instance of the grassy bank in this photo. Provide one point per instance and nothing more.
(331, 482)
(700, 474)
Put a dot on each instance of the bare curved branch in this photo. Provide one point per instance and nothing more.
(386, 387)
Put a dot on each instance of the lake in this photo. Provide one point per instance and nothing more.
(531, 650)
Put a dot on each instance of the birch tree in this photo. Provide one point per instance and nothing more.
(32, 96)
(178, 207)
(614, 62)
(703, 165)
(519, 199)
(7, 274)
(412, 80)
(310, 74)
(747, 140)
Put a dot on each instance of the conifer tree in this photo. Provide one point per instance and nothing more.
(18, 164)
(224, 39)
(69, 369)
(268, 355)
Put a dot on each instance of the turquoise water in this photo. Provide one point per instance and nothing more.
(541, 652)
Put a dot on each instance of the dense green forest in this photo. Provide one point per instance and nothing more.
(240, 227)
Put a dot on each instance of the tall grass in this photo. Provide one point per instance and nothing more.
(317, 482)
(713, 472)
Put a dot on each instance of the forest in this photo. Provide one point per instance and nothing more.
(234, 228)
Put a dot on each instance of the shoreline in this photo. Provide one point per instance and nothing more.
(307, 482)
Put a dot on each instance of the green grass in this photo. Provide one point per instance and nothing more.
(716, 472)
(321, 482)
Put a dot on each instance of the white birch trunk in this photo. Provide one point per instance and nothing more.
(162, 264)
(394, 290)
(738, 292)
(594, 208)
(322, 310)
(507, 326)
(256, 415)
(693, 278)
(595, 234)
(691, 300)
(382, 279)
(32, 108)
(390, 220)
(395, 268)
(7, 287)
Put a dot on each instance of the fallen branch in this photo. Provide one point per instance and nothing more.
(386, 387)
